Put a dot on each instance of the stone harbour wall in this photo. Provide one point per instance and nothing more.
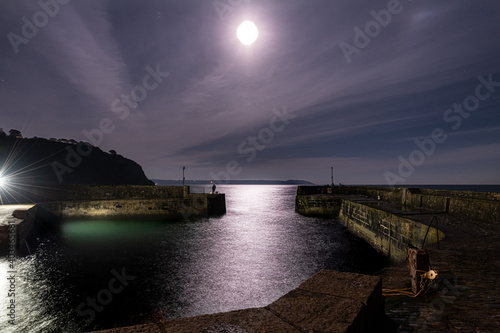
(480, 205)
(384, 229)
(169, 208)
(118, 202)
(106, 192)
(477, 205)
(187, 207)
(318, 206)
(388, 233)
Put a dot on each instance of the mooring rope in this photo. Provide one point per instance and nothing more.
(425, 285)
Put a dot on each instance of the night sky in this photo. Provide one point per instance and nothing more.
(386, 92)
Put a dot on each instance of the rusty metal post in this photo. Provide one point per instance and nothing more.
(418, 262)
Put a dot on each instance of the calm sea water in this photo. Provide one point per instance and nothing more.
(257, 252)
(457, 187)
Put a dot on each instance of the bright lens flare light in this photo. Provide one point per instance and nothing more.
(2, 181)
(247, 33)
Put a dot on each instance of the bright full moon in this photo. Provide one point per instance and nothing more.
(247, 32)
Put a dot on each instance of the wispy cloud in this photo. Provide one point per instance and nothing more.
(82, 50)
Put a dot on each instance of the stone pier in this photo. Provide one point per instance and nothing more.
(108, 202)
(13, 226)
(466, 295)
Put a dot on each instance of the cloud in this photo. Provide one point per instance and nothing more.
(82, 50)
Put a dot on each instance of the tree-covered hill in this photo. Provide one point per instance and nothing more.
(46, 162)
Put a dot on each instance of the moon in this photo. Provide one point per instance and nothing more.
(247, 32)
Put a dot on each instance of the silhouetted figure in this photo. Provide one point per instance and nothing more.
(213, 188)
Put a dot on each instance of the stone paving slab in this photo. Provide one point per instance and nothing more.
(365, 289)
(313, 312)
(342, 284)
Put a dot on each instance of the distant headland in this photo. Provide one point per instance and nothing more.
(163, 182)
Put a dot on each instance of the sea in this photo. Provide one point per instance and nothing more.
(455, 187)
(99, 274)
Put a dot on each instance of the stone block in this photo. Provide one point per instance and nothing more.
(19, 214)
(148, 328)
(315, 312)
(365, 289)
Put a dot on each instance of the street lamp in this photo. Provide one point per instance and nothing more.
(332, 177)
(183, 178)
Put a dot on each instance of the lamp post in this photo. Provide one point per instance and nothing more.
(332, 177)
(183, 178)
